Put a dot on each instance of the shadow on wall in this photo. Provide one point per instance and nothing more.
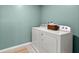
(75, 44)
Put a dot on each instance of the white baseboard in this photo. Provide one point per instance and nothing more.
(18, 46)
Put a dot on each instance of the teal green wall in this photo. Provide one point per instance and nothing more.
(16, 23)
(65, 15)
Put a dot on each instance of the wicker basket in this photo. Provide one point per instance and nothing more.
(53, 27)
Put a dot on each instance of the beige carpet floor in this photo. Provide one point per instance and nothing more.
(27, 49)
